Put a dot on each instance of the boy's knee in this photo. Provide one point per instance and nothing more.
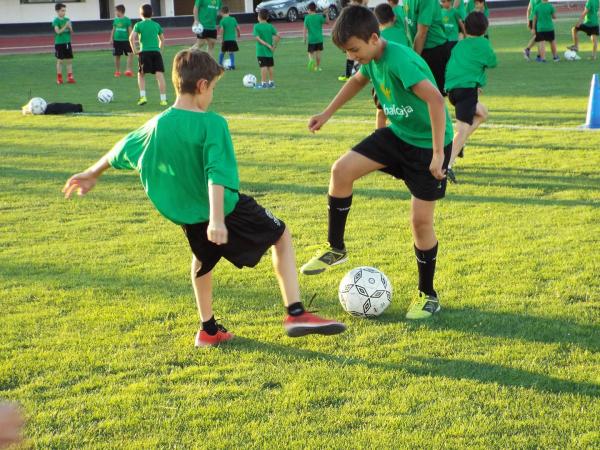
(196, 266)
(340, 171)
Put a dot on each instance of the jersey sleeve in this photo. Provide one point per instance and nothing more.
(254, 31)
(220, 163)
(426, 13)
(552, 9)
(492, 61)
(159, 29)
(136, 27)
(274, 30)
(125, 153)
(408, 73)
(197, 3)
(364, 71)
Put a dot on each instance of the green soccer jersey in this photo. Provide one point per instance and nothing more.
(178, 153)
(394, 34)
(471, 8)
(398, 69)
(65, 36)
(450, 18)
(149, 30)
(461, 9)
(428, 13)
(229, 26)
(208, 10)
(265, 31)
(543, 12)
(401, 22)
(121, 26)
(591, 18)
(314, 26)
(468, 61)
(532, 5)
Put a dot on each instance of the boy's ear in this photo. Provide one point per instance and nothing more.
(374, 38)
(201, 86)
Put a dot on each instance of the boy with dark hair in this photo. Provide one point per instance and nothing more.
(588, 23)
(416, 146)
(399, 21)
(150, 60)
(206, 12)
(453, 24)
(120, 39)
(352, 66)
(231, 32)
(425, 29)
(313, 26)
(199, 192)
(530, 8)
(267, 39)
(544, 30)
(465, 77)
(62, 43)
(482, 7)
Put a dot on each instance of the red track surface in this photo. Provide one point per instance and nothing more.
(180, 36)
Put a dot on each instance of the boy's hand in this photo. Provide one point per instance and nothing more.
(316, 122)
(435, 167)
(11, 424)
(81, 182)
(217, 232)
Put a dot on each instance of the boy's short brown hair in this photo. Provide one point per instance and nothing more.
(476, 23)
(120, 8)
(146, 11)
(191, 66)
(225, 10)
(354, 21)
(59, 6)
(384, 13)
(263, 14)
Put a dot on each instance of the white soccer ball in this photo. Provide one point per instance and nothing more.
(571, 55)
(198, 28)
(227, 64)
(36, 106)
(105, 95)
(365, 292)
(249, 80)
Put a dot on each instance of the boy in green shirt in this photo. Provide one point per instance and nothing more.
(465, 77)
(120, 39)
(150, 60)
(267, 39)
(206, 12)
(588, 23)
(453, 24)
(62, 43)
(416, 146)
(231, 32)
(313, 27)
(544, 30)
(530, 9)
(187, 165)
(399, 22)
(352, 66)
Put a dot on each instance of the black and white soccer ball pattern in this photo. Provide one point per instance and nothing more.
(365, 292)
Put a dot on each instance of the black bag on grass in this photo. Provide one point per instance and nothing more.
(63, 108)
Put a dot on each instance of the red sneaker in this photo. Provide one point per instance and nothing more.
(203, 339)
(70, 78)
(308, 323)
(59, 78)
(117, 74)
(128, 73)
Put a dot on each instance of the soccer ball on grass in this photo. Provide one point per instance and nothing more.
(35, 106)
(105, 95)
(365, 292)
(249, 80)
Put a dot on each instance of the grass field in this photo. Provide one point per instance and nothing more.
(98, 318)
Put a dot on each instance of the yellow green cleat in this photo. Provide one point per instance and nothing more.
(323, 260)
(142, 101)
(423, 307)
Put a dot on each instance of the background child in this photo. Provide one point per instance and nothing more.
(352, 66)
(481, 6)
(231, 32)
(200, 193)
(62, 43)
(464, 78)
(120, 39)
(453, 24)
(530, 9)
(206, 12)
(588, 23)
(544, 30)
(150, 60)
(266, 42)
(399, 23)
(313, 26)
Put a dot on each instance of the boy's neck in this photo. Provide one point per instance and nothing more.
(188, 102)
(385, 26)
(381, 45)
(262, 21)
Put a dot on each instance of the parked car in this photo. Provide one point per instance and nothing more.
(292, 10)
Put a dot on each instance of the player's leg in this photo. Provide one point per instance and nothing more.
(263, 75)
(59, 76)
(465, 130)
(426, 247)
(594, 45)
(554, 50)
(211, 45)
(542, 50)
(271, 76)
(162, 87)
(117, 65)
(69, 64)
(221, 57)
(232, 60)
(380, 119)
(200, 43)
(318, 59)
(142, 86)
(311, 61)
(575, 37)
(128, 69)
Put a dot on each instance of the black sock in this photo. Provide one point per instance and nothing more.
(349, 66)
(295, 309)
(210, 326)
(338, 213)
(426, 265)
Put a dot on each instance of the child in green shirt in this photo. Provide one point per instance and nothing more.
(120, 38)
(544, 30)
(231, 32)
(465, 77)
(150, 60)
(530, 8)
(267, 39)
(313, 27)
(588, 23)
(62, 43)
(206, 13)
(399, 21)
(187, 166)
(453, 24)
(416, 146)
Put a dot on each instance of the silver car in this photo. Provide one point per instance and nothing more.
(292, 10)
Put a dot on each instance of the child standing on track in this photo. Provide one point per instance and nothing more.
(62, 43)
(231, 33)
(543, 15)
(267, 39)
(313, 27)
(120, 39)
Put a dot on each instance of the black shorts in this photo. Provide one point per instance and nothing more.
(451, 44)
(437, 59)
(544, 36)
(207, 34)
(63, 51)
(375, 99)
(251, 228)
(406, 162)
(229, 46)
(265, 61)
(464, 101)
(589, 30)
(121, 48)
(315, 47)
(150, 62)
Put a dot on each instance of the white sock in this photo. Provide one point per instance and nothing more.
(163, 97)
(142, 93)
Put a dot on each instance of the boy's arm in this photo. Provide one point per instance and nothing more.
(70, 26)
(276, 40)
(161, 41)
(349, 90)
(461, 24)
(534, 23)
(420, 37)
(437, 115)
(112, 35)
(239, 31)
(582, 17)
(528, 12)
(195, 14)
(263, 42)
(216, 231)
(132, 38)
(304, 34)
(85, 181)
(326, 14)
